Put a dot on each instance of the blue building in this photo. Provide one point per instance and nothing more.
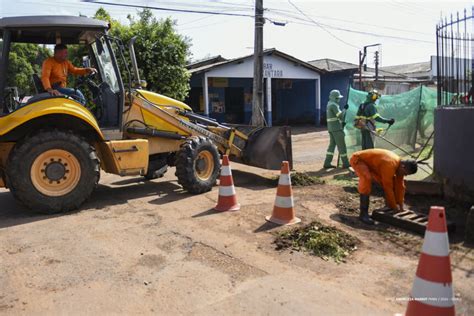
(222, 89)
(338, 75)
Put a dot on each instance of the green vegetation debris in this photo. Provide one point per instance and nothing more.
(345, 179)
(319, 240)
(302, 179)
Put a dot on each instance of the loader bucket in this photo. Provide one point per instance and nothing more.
(267, 147)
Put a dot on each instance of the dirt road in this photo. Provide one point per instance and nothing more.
(149, 248)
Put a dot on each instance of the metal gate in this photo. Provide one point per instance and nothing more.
(455, 59)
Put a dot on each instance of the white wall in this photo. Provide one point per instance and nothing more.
(280, 68)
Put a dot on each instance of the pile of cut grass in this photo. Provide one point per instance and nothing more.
(302, 179)
(319, 240)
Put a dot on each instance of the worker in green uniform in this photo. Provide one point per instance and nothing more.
(335, 122)
(367, 116)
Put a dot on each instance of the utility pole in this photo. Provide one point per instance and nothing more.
(361, 61)
(257, 99)
(376, 66)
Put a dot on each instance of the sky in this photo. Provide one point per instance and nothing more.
(313, 29)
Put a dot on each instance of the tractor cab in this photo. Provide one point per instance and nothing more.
(103, 91)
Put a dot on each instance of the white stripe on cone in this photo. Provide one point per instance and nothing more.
(435, 244)
(285, 202)
(432, 293)
(284, 179)
(225, 171)
(227, 191)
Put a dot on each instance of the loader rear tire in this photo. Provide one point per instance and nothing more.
(52, 171)
(197, 165)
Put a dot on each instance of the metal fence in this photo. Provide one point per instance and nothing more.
(455, 59)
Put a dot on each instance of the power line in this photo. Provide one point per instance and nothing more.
(76, 6)
(366, 33)
(222, 13)
(401, 6)
(216, 5)
(324, 26)
(238, 7)
(203, 26)
(251, 6)
(417, 7)
(321, 26)
(313, 22)
(288, 14)
(168, 9)
(123, 7)
(194, 21)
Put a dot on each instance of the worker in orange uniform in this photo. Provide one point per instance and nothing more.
(386, 168)
(55, 71)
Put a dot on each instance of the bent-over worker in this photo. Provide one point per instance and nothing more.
(387, 169)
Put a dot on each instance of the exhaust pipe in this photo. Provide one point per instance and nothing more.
(134, 61)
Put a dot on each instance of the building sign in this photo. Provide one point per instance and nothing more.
(218, 82)
(270, 72)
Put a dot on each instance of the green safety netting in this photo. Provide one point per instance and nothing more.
(413, 112)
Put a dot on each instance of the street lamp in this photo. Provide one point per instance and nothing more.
(361, 61)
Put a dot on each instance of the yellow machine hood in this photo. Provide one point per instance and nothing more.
(161, 100)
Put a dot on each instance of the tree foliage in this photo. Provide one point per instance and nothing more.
(160, 51)
(161, 54)
(24, 61)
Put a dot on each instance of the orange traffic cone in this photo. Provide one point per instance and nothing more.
(283, 210)
(432, 292)
(227, 200)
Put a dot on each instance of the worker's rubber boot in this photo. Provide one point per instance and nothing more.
(327, 162)
(364, 210)
(345, 163)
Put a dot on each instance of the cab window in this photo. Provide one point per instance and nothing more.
(105, 65)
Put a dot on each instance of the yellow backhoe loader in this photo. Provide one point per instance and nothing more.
(52, 148)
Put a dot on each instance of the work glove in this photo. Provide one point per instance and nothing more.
(391, 121)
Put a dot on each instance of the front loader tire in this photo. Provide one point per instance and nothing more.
(52, 171)
(197, 165)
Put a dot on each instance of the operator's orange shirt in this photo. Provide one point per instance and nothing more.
(383, 165)
(54, 72)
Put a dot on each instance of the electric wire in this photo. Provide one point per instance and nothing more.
(311, 22)
(308, 21)
(216, 5)
(170, 9)
(322, 27)
(369, 33)
(291, 14)
(419, 14)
